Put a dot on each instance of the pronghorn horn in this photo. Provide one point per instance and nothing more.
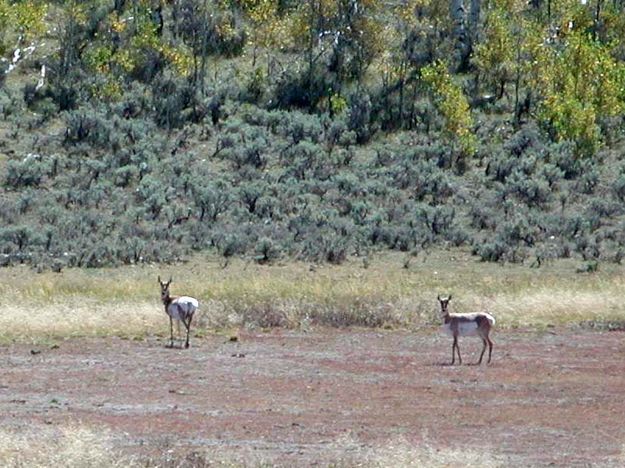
(438, 297)
(159, 279)
(449, 299)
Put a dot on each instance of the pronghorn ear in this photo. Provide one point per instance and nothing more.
(170, 279)
(159, 279)
(438, 297)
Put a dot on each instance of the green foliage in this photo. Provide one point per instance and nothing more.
(337, 42)
(28, 172)
(452, 104)
(22, 20)
(359, 117)
(586, 86)
(316, 130)
(495, 54)
(265, 251)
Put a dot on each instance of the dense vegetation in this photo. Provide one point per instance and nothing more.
(136, 130)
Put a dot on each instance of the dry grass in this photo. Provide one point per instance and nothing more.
(344, 453)
(72, 446)
(125, 301)
(401, 453)
(79, 446)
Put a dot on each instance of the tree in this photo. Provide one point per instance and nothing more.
(265, 24)
(452, 104)
(339, 39)
(21, 22)
(582, 85)
(208, 28)
(465, 22)
(494, 55)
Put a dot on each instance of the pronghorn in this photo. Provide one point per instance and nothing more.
(179, 308)
(477, 323)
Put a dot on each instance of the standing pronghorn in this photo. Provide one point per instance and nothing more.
(477, 323)
(180, 308)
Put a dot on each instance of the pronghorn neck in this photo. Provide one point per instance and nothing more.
(168, 299)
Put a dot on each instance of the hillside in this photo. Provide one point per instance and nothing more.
(144, 131)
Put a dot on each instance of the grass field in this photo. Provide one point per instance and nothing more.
(79, 446)
(380, 293)
(60, 411)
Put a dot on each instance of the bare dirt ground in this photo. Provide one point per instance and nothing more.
(301, 398)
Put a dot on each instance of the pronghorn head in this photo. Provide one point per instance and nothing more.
(444, 302)
(164, 288)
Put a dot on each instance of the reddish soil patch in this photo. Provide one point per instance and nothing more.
(553, 397)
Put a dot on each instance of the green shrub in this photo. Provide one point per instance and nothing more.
(27, 172)
(359, 116)
(491, 251)
(265, 251)
(618, 186)
(531, 191)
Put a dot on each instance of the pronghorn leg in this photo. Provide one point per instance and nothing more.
(453, 351)
(483, 349)
(171, 332)
(490, 348)
(455, 348)
(179, 336)
(188, 325)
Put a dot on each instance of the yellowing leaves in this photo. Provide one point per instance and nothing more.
(585, 85)
(21, 21)
(495, 55)
(99, 58)
(452, 104)
(118, 25)
(266, 24)
(29, 18)
(260, 11)
(147, 38)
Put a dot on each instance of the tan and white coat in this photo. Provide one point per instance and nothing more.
(468, 324)
(179, 308)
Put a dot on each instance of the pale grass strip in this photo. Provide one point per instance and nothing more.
(81, 317)
(73, 446)
(84, 316)
(400, 452)
(557, 307)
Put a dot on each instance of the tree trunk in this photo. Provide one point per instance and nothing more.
(461, 37)
(474, 20)
(119, 5)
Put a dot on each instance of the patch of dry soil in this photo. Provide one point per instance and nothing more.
(295, 397)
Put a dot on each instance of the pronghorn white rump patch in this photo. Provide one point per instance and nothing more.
(182, 307)
(490, 318)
